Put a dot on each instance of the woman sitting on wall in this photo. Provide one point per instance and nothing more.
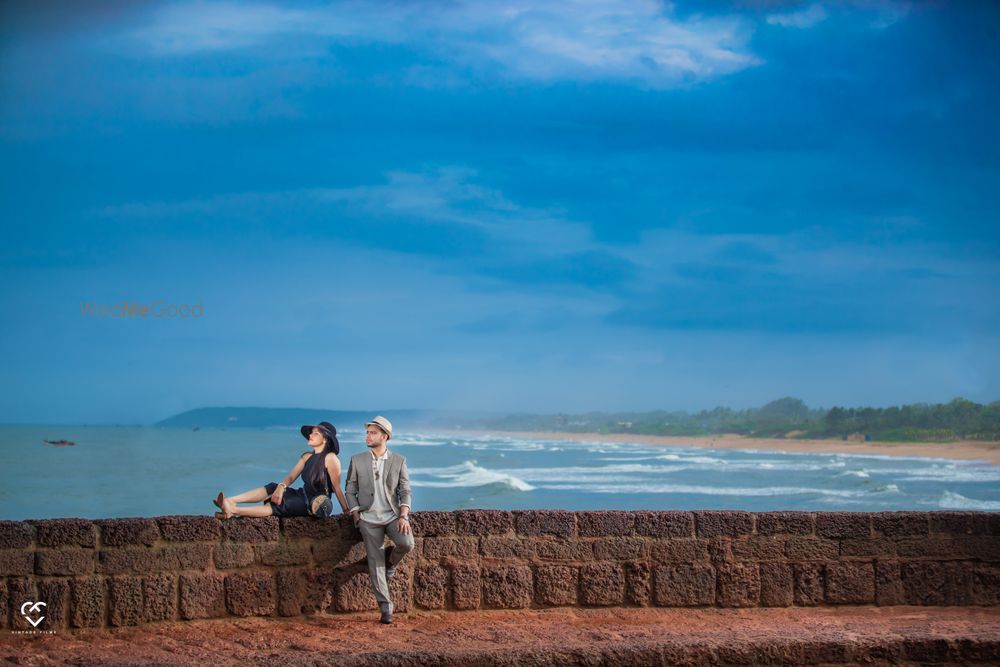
(318, 468)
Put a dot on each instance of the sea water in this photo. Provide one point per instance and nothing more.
(150, 471)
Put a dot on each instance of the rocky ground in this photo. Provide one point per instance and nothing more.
(831, 635)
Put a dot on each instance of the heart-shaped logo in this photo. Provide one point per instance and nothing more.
(36, 607)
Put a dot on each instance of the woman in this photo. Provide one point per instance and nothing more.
(317, 467)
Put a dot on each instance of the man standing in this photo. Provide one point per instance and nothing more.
(378, 494)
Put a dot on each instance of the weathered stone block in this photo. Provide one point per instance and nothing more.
(283, 554)
(174, 557)
(785, 523)
(867, 547)
(444, 547)
(189, 528)
(466, 589)
(840, 525)
(505, 547)
(620, 548)
(888, 583)
(934, 583)
(159, 598)
(292, 585)
(638, 584)
(687, 585)
(556, 585)
(252, 529)
(507, 587)
(951, 523)
(16, 535)
(311, 528)
(129, 560)
(355, 594)
(251, 593)
(55, 594)
(430, 586)
(119, 532)
(232, 555)
(759, 548)
(87, 602)
(850, 583)
(545, 522)
(17, 562)
(433, 524)
(664, 524)
(65, 532)
(602, 584)
(893, 524)
(125, 595)
(202, 595)
(65, 562)
(984, 587)
(483, 522)
(777, 585)
(19, 591)
(811, 548)
(605, 523)
(738, 585)
(560, 549)
(680, 550)
(937, 547)
(716, 523)
(808, 584)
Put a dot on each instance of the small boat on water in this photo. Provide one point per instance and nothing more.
(59, 443)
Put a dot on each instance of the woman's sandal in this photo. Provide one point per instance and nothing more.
(220, 502)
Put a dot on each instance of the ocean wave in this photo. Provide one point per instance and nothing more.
(721, 491)
(951, 500)
(468, 474)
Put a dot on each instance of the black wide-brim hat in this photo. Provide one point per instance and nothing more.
(327, 429)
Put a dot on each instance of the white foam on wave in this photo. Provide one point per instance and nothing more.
(720, 491)
(863, 474)
(467, 474)
(951, 500)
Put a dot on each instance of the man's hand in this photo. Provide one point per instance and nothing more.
(356, 515)
(404, 525)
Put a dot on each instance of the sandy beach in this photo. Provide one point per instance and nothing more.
(972, 450)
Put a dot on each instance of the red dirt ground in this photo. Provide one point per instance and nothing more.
(841, 635)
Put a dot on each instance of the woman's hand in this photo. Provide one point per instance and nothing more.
(278, 494)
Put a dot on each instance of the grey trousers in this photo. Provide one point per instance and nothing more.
(374, 538)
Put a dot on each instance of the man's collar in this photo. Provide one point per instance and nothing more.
(385, 454)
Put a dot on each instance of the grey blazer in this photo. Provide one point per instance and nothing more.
(360, 489)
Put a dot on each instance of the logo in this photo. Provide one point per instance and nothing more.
(35, 608)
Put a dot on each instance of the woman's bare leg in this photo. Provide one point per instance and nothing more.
(248, 510)
(251, 496)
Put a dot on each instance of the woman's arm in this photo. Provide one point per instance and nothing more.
(333, 468)
(279, 492)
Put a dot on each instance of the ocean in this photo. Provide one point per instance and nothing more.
(151, 471)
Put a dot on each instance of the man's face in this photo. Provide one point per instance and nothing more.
(374, 436)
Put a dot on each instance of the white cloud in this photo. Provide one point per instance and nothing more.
(587, 40)
(804, 18)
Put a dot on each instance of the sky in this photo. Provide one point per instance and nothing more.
(508, 206)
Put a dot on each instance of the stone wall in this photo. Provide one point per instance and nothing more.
(121, 572)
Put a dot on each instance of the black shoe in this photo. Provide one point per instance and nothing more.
(386, 618)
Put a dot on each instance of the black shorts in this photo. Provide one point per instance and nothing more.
(293, 503)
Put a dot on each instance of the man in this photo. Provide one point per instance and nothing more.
(378, 494)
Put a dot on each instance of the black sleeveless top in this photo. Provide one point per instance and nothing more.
(309, 474)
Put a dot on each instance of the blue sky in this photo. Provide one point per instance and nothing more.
(515, 206)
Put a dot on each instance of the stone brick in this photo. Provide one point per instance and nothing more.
(605, 523)
(850, 583)
(785, 523)
(251, 529)
(129, 560)
(893, 524)
(174, 557)
(980, 547)
(65, 562)
(776, 585)
(87, 603)
(355, 594)
(602, 584)
(738, 585)
(687, 585)
(867, 547)
(55, 594)
(399, 588)
(679, 551)
(320, 590)
(951, 523)
(19, 591)
(545, 522)
(232, 555)
(558, 549)
(505, 547)
(433, 524)
(638, 584)
(935, 546)
(16, 535)
(125, 596)
(556, 585)
(664, 524)
(811, 548)
(888, 583)
(283, 554)
(808, 584)
(717, 523)
(444, 547)
(159, 598)
(336, 552)
(935, 583)
(984, 587)
(65, 532)
(483, 522)
(251, 594)
(430, 586)
(466, 589)
(842, 525)
(508, 587)
(119, 532)
(757, 547)
(308, 527)
(620, 548)
(720, 550)
(202, 595)
(292, 585)
(16, 562)
(928, 650)
(189, 528)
